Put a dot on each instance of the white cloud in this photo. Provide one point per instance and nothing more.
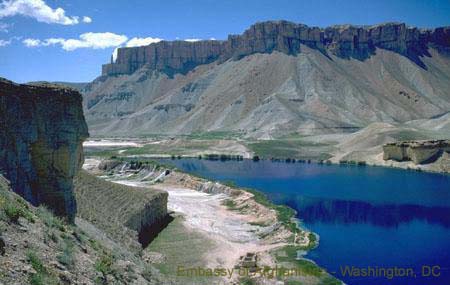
(39, 10)
(87, 20)
(87, 40)
(4, 27)
(136, 42)
(192, 40)
(31, 42)
(4, 43)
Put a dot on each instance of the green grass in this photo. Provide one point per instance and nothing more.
(147, 273)
(181, 247)
(284, 213)
(246, 281)
(16, 209)
(306, 267)
(101, 152)
(330, 280)
(230, 204)
(184, 147)
(287, 256)
(67, 255)
(104, 264)
(215, 135)
(13, 213)
(50, 220)
(406, 135)
(42, 275)
(286, 148)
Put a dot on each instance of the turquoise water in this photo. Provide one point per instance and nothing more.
(365, 216)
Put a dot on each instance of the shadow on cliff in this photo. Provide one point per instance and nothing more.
(413, 54)
(149, 232)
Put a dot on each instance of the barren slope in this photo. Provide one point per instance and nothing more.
(265, 95)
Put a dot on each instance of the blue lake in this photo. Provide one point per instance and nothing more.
(365, 216)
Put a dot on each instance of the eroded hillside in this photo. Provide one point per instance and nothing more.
(276, 78)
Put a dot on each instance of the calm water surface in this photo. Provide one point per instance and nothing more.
(365, 216)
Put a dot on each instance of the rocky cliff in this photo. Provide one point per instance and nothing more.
(419, 152)
(344, 41)
(41, 135)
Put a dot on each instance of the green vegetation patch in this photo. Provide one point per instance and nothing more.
(215, 135)
(42, 275)
(230, 204)
(284, 213)
(181, 247)
(287, 148)
(181, 147)
(104, 264)
(14, 208)
(286, 257)
(406, 135)
(67, 255)
(50, 220)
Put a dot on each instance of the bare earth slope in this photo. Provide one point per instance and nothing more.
(311, 88)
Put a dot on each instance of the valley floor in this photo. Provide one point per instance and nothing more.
(364, 146)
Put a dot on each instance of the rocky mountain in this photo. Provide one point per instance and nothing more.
(41, 135)
(276, 78)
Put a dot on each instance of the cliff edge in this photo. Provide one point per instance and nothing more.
(419, 152)
(345, 41)
(41, 135)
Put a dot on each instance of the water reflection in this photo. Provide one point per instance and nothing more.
(363, 215)
(314, 210)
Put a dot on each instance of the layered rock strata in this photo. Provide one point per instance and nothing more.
(419, 152)
(41, 135)
(287, 37)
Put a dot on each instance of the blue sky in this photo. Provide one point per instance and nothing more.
(55, 51)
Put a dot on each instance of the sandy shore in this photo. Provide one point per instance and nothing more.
(110, 143)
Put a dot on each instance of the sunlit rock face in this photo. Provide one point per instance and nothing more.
(345, 41)
(419, 152)
(41, 135)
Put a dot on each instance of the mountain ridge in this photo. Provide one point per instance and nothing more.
(272, 83)
(341, 40)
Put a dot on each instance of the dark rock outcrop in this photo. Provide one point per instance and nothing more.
(419, 152)
(41, 135)
(287, 37)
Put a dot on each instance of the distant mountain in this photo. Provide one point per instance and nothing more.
(79, 86)
(276, 78)
(75, 85)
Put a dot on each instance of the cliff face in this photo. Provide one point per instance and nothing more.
(419, 152)
(171, 57)
(344, 41)
(41, 135)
